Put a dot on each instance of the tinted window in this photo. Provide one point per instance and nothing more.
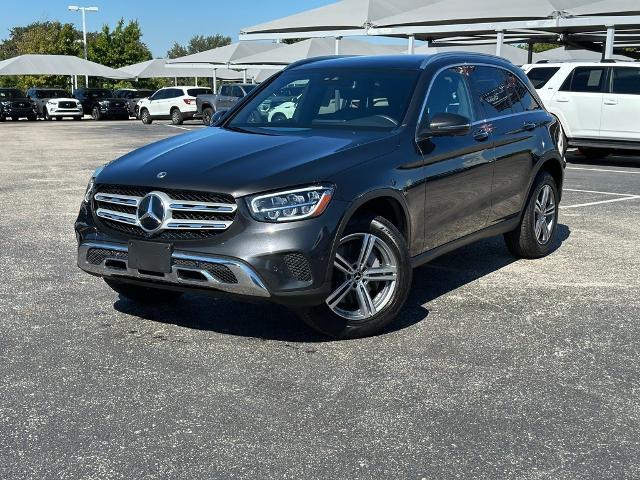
(490, 90)
(539, 76)
(143, 93)
(11, 93)
(247, 88)
(450, 94)
(52, 94)
(99, 94)
(626, 81)
(521, 98)
(194, 92)
(237, 92)
(346, 99)
(585, 79)
(225, 91)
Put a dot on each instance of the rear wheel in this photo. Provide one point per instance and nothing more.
(536, 232)
(45, 114)
(145, 117)
(147, 295)
(594, 153)
(278, 117)
(176, 117)
(95, 113)
(370, 281)
(207, 113)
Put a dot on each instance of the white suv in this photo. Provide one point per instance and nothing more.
(175, 103)
(598, 104)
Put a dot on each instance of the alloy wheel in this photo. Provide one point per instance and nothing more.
(545, 214)
(364, 277)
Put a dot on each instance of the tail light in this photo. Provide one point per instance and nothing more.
(189, 101)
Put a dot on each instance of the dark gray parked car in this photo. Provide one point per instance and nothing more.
(229, 95)
(132, 96)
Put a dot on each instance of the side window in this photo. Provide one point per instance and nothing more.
(237, 92)
(540, 76)
(160, 95)
(625, 81)
(521, 98)
(450, 94)
(585, 79)
(490, 90)
(224, 91)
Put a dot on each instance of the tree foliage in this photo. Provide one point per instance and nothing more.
(197, 44)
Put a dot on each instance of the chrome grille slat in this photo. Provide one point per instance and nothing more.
(191, 214)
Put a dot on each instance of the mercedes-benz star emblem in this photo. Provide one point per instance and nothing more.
(151, 213)
(162, 175)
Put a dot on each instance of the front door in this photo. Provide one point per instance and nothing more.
(459, 168)
(621, 106)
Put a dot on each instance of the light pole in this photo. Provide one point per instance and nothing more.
(75, 8)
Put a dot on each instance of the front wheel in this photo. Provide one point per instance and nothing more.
(371, 279)
(146, 295)
(145, 117)
(95, 113)
(534, 236)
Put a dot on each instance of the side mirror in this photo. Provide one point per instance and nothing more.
(217, 117)
(445, 125)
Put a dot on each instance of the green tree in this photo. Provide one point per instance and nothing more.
(119, 47)
(198, 43)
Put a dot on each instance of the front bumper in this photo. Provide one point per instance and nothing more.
(17, 112)
(66, 112)
(226, 275)
(287, 263)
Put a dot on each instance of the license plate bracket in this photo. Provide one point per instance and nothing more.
(150, 256)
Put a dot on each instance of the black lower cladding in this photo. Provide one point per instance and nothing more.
(222, 273)
(298, 267)
(150, 256)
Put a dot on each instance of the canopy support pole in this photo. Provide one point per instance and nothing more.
(611, 37)
(215, 81)
(499, 42)
(244, 76)
(338, 45)
(175, 81)
(411, 47)
(530, 53)
(196, 81)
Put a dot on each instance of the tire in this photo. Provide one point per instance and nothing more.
(207, 113)
(45, 114)
(95, 114)
(14, 119)
(278, 117)
(1, 118)
(145, 295)
(387, 248)
(77, 118)
(176, 117)
(534, 237)
(594, 153)
(145, 117)
(32, 118)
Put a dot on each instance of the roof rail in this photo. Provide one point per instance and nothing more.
(306, 61)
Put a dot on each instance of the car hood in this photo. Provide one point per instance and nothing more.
(61, 99)
(238, 163)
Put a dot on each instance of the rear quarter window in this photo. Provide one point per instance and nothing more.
(585, 79)
(625, 81)
(540, 76)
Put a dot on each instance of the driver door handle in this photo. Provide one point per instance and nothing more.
(529, 126)
(481, 135)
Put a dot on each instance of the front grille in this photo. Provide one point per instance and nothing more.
(96, 256)
(190, 215)
(67, 105)
(21, 105)
(298, 266)
(220, 272)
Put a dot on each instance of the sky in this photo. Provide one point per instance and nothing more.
(163, 22)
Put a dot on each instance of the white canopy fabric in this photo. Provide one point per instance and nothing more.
(515, 55)
(347, 14)
(317, 47)
(157, 69)
(562, 54)
(227, 54)
(57, 65)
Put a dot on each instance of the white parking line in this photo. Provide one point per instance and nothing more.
(624, 197)
(599, 193)
(603, 170)
(175, 126)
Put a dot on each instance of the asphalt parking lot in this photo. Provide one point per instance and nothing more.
(497, 368)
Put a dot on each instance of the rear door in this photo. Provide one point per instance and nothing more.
(578, 102)
(459, 169)
(225, 100)
(155, 102)
(514, 117)
(621, 105)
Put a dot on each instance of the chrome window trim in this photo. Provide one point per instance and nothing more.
(477, 122)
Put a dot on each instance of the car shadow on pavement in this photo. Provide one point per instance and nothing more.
(630, 160)
(274, 322)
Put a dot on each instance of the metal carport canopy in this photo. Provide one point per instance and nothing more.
(158, 69)
(58, 65)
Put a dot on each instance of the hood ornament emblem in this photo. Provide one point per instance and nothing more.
(162, 175)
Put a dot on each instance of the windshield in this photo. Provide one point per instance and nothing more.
(343, 98)
(248, 88)
(53, 94)
(10, 93)
(99, 94)
(143, 93)
(540, 76)
(194, 92)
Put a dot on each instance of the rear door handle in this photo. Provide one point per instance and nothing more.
(562, 100)
(481, 135)
(610, 101)
(529, 126)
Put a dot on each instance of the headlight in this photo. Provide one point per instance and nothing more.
(6, 104)
(291, 205)
(49, 102)
(88, 194)
(104, 103)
